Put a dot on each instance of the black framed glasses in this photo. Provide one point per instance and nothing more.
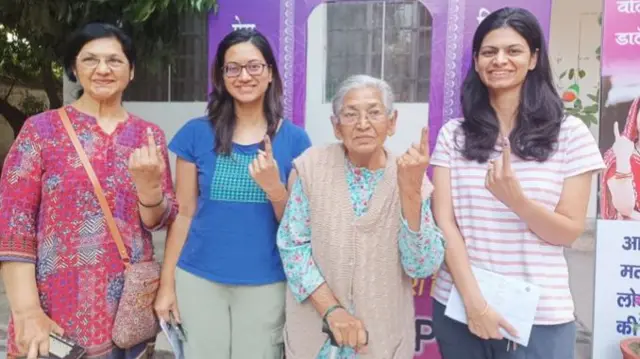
(234, 69)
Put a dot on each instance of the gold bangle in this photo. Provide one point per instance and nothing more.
(484, 311)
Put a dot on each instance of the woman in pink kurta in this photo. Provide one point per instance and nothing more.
(621, 180)
(52, 224)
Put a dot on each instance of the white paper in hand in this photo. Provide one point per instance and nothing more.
(515, 300)
(173, 337)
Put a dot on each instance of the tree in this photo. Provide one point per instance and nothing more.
(33, 33)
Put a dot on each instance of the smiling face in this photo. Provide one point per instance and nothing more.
(246, 73)
(363, 123)
(102, 69)
(504, 59)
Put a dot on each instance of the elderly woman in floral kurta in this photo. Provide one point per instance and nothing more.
(356, 229)
(60, 264)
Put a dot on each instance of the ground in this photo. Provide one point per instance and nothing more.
(581, 261)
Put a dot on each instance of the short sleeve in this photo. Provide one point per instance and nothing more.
(183, 144)
(302, 143)
(582, 153)
(20, 188)
(442, 153)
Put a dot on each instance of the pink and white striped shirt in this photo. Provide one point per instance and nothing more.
(496, 238)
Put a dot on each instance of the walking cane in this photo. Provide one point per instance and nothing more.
(333, 353)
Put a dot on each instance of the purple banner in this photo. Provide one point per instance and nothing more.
(284, 22)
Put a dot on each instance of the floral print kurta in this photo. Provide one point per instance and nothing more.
(421, 252)
(50, 216)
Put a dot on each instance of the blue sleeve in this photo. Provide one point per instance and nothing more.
(184, 143)
(422, 252)
(302, 143)
(294, 243)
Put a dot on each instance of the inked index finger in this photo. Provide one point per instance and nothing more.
(506, 155)
(267, 147)
(153, 148)
(424, 141)
(150, 138)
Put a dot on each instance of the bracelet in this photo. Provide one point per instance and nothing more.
(484, 311)
(153, 205)
(330, 310)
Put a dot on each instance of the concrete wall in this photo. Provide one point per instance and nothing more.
(170, 116)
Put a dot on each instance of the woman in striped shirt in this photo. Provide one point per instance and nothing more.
(512, 182)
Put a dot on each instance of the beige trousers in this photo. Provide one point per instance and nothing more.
(229, 321)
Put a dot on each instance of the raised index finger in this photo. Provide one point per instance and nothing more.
(616, 130)
(506, 155)
(424, 141)
(153, 149)
(267, 147)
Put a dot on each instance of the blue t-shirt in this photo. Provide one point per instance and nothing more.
(232, 239)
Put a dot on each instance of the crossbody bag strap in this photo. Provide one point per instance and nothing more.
(108, 216)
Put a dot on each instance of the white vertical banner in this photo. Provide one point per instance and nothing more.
(616, 314)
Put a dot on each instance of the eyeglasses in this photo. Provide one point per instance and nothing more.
(113, 63)
(349, 117)
(233, 69)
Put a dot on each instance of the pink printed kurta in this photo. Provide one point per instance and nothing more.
(50, 216)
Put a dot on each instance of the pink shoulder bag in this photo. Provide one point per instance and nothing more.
(135, 320)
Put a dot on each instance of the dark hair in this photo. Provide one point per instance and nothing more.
(540, 112)
(90, 32)
(221, 109)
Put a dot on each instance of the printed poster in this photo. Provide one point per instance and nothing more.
(616, 302)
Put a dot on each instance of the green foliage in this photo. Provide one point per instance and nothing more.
(152, 23)
(33, 33)
(18, 59)
(574, 102)
(31, 105)
(588, 114)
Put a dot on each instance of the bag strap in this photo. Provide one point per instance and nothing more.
(108, 216)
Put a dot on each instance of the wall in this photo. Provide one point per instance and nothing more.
(574, 37)
(170, 116)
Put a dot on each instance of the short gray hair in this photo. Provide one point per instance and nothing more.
(362, 81)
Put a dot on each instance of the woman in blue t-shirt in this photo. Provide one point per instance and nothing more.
(222, 276)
